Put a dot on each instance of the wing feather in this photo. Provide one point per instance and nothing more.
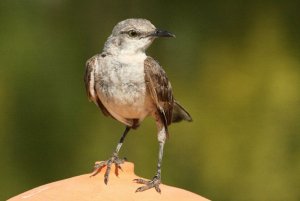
(89, 79)
(159, 88)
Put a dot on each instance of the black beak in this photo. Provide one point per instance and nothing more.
(162, 33)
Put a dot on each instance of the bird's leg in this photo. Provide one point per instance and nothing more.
(154, 183)
(114, 159)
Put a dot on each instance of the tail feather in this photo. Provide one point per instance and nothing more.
(179, 113)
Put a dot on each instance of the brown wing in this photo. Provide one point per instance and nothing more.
(89, 79)
(159, 88)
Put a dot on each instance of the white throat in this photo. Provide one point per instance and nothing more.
(132, 59)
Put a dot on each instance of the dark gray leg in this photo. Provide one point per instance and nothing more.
(154, 183)
(122, 140)
(114, 159)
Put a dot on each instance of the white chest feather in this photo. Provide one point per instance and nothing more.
(121, 85)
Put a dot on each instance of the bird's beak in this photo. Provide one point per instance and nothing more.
(162, 33)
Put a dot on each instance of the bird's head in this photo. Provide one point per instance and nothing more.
(133, 35)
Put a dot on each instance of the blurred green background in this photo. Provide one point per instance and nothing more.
(235, 65)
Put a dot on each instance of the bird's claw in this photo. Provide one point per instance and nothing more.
(154, 183)
(113, 160)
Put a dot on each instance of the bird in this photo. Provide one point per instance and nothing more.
(128, 86)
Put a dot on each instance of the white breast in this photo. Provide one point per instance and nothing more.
(121, 86)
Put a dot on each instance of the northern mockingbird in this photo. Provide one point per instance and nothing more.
(128, 86)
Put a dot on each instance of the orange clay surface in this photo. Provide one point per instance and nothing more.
(120, 188)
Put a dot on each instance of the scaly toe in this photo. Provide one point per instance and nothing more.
(148, 184)
(100, 165)
(141, 181)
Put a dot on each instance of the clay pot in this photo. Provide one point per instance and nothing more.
(119, 188)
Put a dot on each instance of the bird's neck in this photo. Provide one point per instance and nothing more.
(125, 51)
(114, 47)
(129, 57)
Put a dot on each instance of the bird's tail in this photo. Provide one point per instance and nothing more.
(179, 113)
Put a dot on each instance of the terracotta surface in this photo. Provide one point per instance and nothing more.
(120, 187)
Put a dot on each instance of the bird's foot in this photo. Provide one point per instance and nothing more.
(154, 183)
(108, 163)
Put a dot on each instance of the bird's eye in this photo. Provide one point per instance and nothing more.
(133, 33)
